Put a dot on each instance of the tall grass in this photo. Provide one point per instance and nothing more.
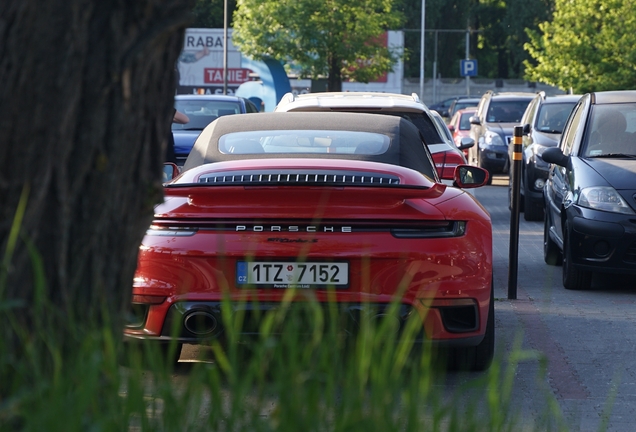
(289, 381)
(285, 379)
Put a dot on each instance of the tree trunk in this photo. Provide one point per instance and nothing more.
(85, 109)
(334, 81)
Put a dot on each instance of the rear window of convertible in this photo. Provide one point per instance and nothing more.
(304, 141)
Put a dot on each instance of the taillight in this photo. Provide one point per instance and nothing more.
(445, 164)
(147, 299)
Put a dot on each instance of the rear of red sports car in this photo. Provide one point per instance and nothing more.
(354, 233)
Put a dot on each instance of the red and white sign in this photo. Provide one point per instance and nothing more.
(234, 75)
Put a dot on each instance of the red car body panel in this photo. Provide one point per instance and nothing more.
(425, 273)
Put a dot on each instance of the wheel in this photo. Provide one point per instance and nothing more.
(573, 277)
(477, 358)
(485, 351)
(480, 165)
(531, 210)
(551, 253)
(489, 182)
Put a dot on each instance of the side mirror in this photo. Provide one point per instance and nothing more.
(468, 176)
(475, 120)
(526, 129)
(555, 155)
(170, 171)
(466, 143)
(451, 128)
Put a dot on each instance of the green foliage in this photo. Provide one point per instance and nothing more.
(502, 26)
(335, 38)
(499, 45)
(282, 380)
(588, 46)
(209, 13)
(450, 46)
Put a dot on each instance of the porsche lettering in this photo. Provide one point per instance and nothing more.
(293, 228)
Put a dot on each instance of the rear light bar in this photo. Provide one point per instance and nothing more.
(148, 299)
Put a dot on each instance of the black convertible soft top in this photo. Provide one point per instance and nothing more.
(406, 146)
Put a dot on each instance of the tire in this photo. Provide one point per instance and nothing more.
(531, 210)
(480, 165)
(489, 182)
(573, 277)
(551, 253)
(477, 358)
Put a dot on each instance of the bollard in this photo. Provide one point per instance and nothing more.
(515, 180)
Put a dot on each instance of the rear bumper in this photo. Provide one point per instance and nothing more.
(444, 322)
(444, 282)
(493, 158)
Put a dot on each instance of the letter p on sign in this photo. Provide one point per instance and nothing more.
(468, 68)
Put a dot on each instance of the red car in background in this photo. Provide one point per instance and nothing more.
(459, 126)
(343, 208)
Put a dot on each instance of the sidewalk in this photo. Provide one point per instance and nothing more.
(588, 338)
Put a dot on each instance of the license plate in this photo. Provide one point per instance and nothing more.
(282, 274)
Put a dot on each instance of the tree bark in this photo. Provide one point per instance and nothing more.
(334, 80)
(85, 110)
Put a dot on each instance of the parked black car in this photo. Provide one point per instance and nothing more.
(442, 106)
(461, 103)
(543, 124)
(590, 194)
(491, 128)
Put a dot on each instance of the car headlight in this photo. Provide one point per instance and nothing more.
(493, 138)
(534, 153)
(603, 198)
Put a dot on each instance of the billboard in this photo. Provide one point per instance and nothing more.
(200, 64)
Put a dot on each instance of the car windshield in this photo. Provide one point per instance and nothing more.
(506, 111)
(304, 141)
(202, 112)
(552, 117)
(611, 131)
(464, 120)
(423, 122)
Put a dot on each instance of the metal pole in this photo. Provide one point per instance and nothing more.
(467, 58)
(515, 180)
(435, 70)
(225, 42)
(422, 51)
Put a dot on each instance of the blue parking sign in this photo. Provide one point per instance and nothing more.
(468, 68)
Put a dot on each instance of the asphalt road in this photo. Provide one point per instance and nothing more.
(583, 343)
(587, 338)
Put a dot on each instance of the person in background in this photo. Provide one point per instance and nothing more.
(180, 118)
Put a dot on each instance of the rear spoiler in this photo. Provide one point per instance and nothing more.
(208, 195)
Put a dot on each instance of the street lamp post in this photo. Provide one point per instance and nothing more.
(225, 41)
(422, 51)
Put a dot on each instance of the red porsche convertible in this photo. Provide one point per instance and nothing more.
(345, 207)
